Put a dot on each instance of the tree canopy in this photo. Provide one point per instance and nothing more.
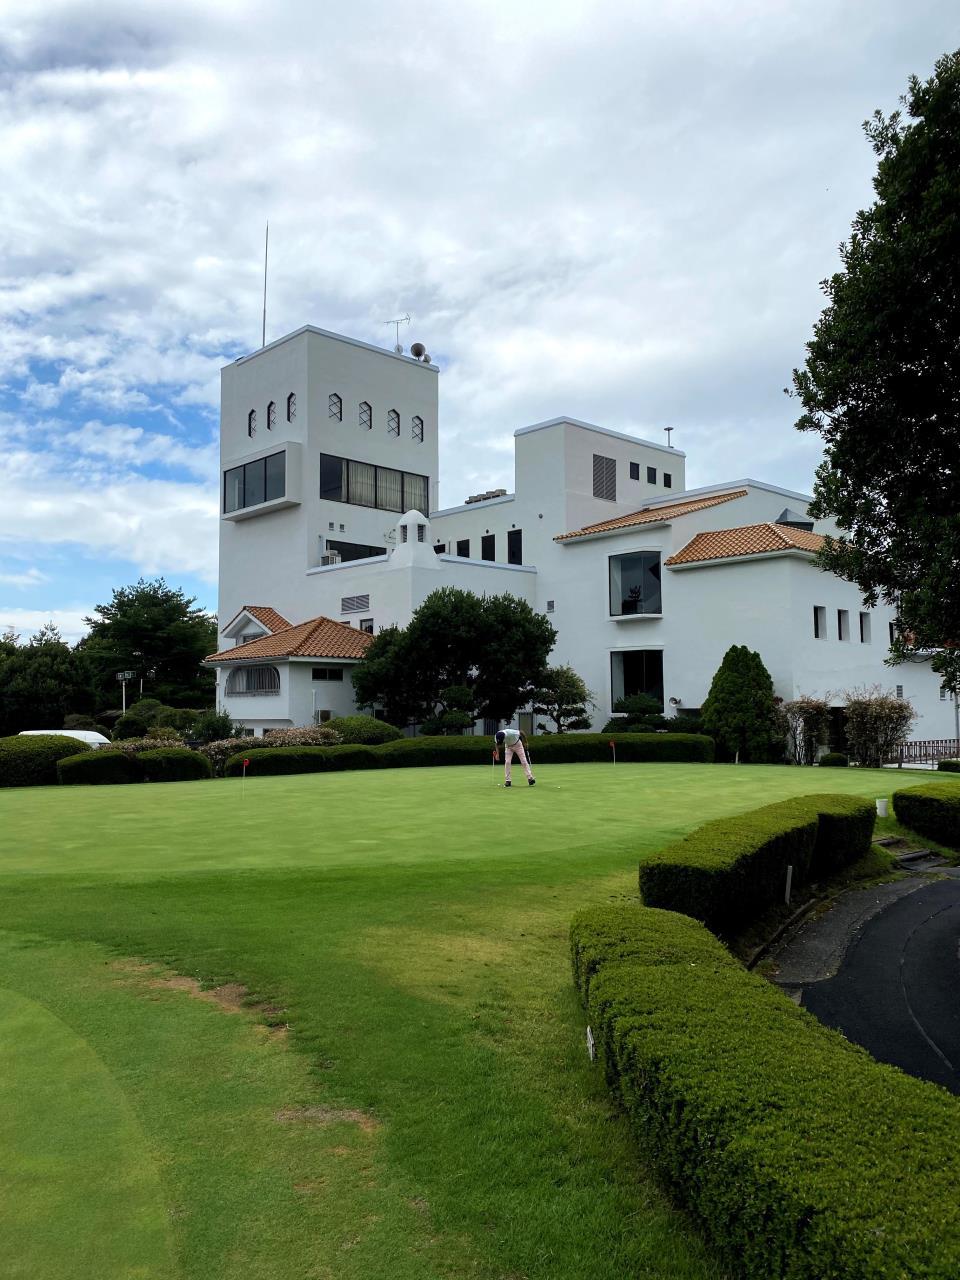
(461, 657)
(740, 711)
(563, 697)
(881, 381)
(41, 682)
(157, 632)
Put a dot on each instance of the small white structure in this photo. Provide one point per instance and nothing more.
(88, 736)
(329, 459)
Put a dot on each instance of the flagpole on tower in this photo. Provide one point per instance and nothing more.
(266, 248)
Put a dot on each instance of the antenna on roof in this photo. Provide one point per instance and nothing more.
(397, 323)
(668, 430)
(266, 247)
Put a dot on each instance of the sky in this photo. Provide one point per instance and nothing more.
(619, 212)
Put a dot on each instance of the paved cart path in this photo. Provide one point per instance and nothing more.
(897, 991)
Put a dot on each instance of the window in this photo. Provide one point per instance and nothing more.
(551, 605)
(327, 673)
(248, 681)
(254, 482)
(354, 604)
(334, 407)
(651, 475)
(864, 628)
(667, 480)
(463, 548)
(417, 428)
(393, 423)
(366, 624)
(366, 485)
(604, 478)
(899, 690)
(354, 550)
(271, 415)
(514, 546)
(634, 470)
(249, 636)
(421, 533)
(943, 693)
(403, 533)
(893, 632)
(488, 546)
(635, 584)
(252, 423)
(291, 406)
(843, 624)
(819, 622)
(634, 671)
(440, 548)
(366, 416)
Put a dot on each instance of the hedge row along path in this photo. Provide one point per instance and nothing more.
(409, 926)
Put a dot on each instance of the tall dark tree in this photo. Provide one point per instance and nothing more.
(881, 382)
(740, 711)
(461, 657)
(41, 682)
(158, 633)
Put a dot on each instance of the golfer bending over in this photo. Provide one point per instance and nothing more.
(512, 740)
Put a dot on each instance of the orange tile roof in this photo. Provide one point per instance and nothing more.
(655, 515)
(748, 540)
(317, 638)
(272, 620)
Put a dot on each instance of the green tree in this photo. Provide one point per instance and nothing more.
(461, 657)
(877, 723)
(881, 381)
(563, 697)
(41, 682)
(741, 711)
(157, 632)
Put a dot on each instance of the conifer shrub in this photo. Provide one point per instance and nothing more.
(31, 760)
(174, 764)
(99, 768)
(933, 810)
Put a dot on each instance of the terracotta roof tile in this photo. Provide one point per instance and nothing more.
(272, 620)
(317, 638)
(655, 515)
(748, 540)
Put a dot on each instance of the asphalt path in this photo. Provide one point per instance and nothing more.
(897, 992)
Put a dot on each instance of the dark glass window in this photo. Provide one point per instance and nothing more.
(637, 671)
(393, 423)
(333, 478)
(488, 546)
(634, 470)
(252, 422)
(514, 546)
(440, 548)
(271, 415)
(355, 551)
(254, 483)
(328, 673)
(233, 489)
(635, 583)
(667, 480)
(389, 489)
(819, 622)
(415, 493)
(275, 479)
(291, 406)
(363, 484)
(463, 547)
(366, 624)
(651, 475)
(421, 533)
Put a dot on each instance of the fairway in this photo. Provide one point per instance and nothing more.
(410, 1098)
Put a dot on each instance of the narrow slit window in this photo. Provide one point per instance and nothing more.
(291, 406)
(252, 423)
(334, 407)
(271, 415)
(393, 423)
(417, 426)
(366, 416)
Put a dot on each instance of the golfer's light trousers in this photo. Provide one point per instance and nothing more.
(508, 759)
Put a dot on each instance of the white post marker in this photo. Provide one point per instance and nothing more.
(591, 1047)
(786, 896)
(881, 806)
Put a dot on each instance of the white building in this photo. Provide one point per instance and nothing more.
(329, 502)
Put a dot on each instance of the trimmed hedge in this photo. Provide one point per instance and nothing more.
(729, 871)
(32, 761)
(933, 809)
(798, 1154)
(100, 768)
(834, 760)
(948, 766)
(174, 764)
(273, 761)
(413, 752)
(363, 730)
(632, 748)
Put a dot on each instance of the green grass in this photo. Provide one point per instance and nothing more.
(411, 926)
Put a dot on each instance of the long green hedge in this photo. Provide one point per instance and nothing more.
(31, 760)
(421, 752)
(800, 1156)
(174, 764)
(729, 871)
(933, 809)
(99, 768)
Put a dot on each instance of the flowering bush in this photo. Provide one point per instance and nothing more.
(219, 752)
(314, 736)
(133, 746)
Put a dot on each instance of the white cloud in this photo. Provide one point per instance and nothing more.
(27, 622)
(28, 578)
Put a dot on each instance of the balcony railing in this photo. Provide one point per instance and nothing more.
(928, 751)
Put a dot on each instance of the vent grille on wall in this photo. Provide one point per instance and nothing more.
(354, 604)
(604, 478)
